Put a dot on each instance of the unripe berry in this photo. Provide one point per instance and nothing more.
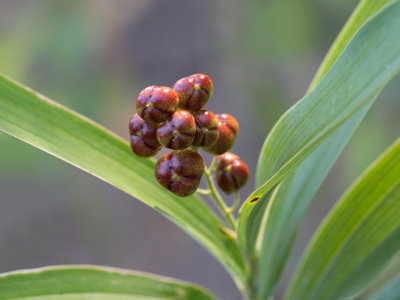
(231, 172)
(180, 171)
(193, 91)
(178, 132)
(143, 139)
(228, 128)
(206, 128)
(156, 103)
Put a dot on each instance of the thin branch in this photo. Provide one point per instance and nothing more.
(203, 191)
(235, 203)
(217, 197)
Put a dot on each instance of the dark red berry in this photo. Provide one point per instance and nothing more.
(156, 103)
(143, 139)
(193, 91)
(231, 172)
(228, 128)
(180, 171)
(206, 128)
(178, 132)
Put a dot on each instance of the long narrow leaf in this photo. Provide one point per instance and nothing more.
(391, 291)
(290, 203)
(391, 271)
(364, 10)
(97, 283)
(294, 195)
(358, 237)
(69, 136)
(371, 59)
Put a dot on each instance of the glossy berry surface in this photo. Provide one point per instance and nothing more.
(228, 128)
(206, 128)
(193, 91)
(231, 172)
(156, 104)
(180, 171)
(178, 132)
(143, 138)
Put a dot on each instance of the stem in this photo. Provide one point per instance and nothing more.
(250, 289)
(203, 191)
(212, 165)
(217, 197)
(236, 203)
(247, 291)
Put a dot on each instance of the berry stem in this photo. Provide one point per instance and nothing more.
(235, 203)
(212, 165)
(217, 197)
(203, 191)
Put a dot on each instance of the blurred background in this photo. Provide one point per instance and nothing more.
(96, 55)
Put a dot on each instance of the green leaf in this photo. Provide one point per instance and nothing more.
(391, 271)
(390, 291)
(289, 204)
(364, 10)
(358, 237)
(69, 136)
(370, 60)
(293, 196)
(92, 282)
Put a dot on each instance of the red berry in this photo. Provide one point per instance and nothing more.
(180, 171)
(143, 139)
(193, 91)
(228, 128)
(178, 132)
(206, 128)
(231, 172)
(156, 103)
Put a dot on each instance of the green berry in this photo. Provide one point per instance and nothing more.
(193, 91)
(231, 172)
(228, 128)
(156, 104)
(180, 171)
(143, 138)
(178, 132)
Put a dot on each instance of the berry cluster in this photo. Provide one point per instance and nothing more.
(174, 118)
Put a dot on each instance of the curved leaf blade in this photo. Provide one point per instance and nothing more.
(358, 237)
(94, 282)
(291, 202)
(296, 192)
(371, 59)
(364, 10)
(31, 117)
(390, 291)
(384, 278)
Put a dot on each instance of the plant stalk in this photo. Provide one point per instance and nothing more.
(235, 203)
(226, 211)
(203, 191)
